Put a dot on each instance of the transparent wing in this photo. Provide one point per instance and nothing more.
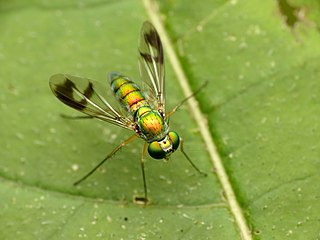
(152, 65)
(82, 94)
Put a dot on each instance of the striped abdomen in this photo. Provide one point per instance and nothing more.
(128, 93)
(151, 125)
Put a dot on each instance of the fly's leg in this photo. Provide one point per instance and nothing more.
(184, 100)
(106, 158)
(76, 117)
(144, 199)
(189, 160)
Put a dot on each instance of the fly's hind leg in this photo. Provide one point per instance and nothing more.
(75, 117)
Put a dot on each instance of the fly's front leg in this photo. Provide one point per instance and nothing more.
(189, 160)
(143, 200)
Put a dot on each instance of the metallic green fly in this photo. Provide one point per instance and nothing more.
(143, 110)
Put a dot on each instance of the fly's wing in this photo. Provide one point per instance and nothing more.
(83, 95)
(152, 66)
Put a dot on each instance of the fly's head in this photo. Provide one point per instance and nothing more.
(164, 148)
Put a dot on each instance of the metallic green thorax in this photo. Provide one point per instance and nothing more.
(150, 124)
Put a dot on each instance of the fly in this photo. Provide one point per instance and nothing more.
(143, 109)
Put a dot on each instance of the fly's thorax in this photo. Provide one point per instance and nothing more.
(151, 124)
(127, 92)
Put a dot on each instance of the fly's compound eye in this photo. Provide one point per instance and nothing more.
(155, 150)
(175, 139)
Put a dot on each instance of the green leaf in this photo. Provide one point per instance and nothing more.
(261, 108)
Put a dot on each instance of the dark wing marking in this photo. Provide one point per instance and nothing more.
(82, 95)
(151, 64)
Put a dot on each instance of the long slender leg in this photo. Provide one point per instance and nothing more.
(75, 117)
(106, 158)
(145, 198)
(186, 99)
(187, 157)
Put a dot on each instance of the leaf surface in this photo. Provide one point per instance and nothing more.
(261, 103)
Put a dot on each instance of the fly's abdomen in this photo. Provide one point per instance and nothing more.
(127, 92)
